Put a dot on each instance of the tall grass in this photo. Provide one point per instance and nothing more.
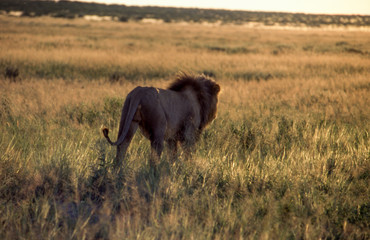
(286, 158)
(53, 48)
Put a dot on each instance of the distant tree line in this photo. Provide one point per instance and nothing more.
(67, 9)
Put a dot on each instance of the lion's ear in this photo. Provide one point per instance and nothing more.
(216, 88)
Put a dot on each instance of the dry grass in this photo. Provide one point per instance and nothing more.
(287, 157)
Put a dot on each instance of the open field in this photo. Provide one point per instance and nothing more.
(75, 9)
(287, 157)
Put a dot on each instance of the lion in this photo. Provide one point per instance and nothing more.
(176, 115)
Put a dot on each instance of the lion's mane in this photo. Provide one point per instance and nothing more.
(204, 88)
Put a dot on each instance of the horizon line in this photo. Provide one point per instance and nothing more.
(213, 8)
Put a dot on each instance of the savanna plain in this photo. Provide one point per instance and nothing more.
(288, 156)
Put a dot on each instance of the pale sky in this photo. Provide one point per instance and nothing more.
(301, 6)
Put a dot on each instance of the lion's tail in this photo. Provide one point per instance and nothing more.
(105, 133)
(128, 113)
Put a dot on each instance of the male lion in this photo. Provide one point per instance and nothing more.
(175, 115)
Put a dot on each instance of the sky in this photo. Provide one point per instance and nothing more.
(300, 6)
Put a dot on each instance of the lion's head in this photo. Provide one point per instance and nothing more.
(207, 93)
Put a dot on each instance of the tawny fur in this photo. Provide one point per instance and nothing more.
(176, 115)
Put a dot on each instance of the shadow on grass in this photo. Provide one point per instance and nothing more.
(70, 206)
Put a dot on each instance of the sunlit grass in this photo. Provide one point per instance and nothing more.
(286, 158)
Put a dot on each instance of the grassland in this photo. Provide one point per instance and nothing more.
(287, 157)
(75, 9)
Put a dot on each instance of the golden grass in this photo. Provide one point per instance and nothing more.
(76, 46)
(287, 157)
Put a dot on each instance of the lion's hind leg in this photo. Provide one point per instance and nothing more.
(122, 148)
(157, 145)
